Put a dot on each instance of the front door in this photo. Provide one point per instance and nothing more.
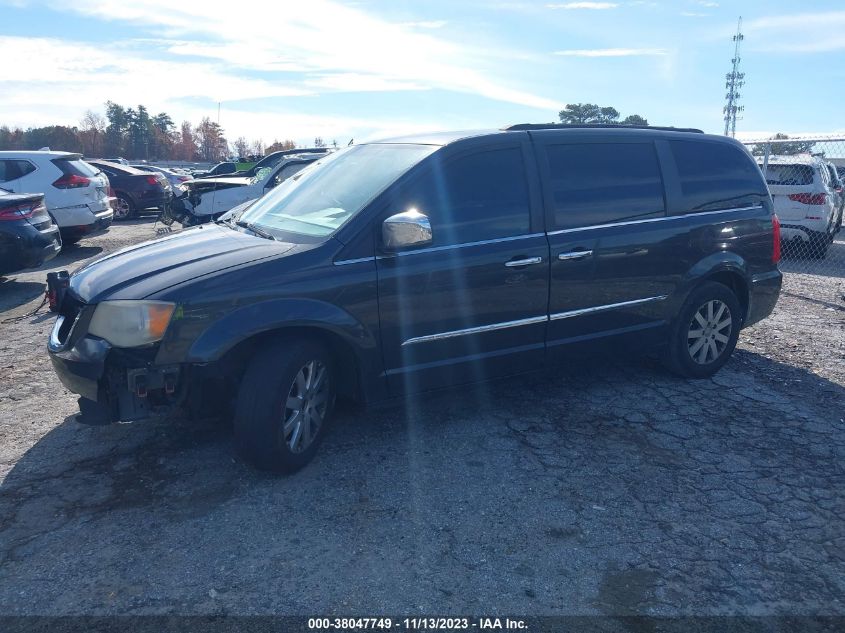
(473, 304)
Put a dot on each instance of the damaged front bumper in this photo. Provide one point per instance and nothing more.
(115, 385)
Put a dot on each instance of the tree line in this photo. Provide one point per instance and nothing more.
(135, 134)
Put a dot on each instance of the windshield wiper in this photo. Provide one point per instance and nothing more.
(252, 227)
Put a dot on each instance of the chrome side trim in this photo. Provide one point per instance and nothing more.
(448, 247)
(648, 220)
(474, 330)
(344, 262)
(609, 306)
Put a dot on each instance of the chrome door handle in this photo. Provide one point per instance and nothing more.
(574, 255)
(523, 262)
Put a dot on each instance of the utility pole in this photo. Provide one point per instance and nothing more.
(218, 113)
(735, 81)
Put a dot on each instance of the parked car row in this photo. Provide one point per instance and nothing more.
(809, 200)
(83, 197)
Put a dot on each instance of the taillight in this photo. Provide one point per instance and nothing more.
(808, 198)
(152, 180)
(184, 178)
(775, 239)
(18, 212)
(71, 181)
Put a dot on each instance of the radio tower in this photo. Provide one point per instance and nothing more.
(735, 81)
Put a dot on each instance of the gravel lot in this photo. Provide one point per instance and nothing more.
(617, 490)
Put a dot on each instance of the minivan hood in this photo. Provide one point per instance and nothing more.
(139, 271)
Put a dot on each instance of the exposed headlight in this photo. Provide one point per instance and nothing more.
(131, 323)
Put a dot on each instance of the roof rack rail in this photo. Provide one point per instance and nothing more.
(567, 126)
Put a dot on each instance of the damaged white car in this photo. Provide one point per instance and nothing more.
(207, 199)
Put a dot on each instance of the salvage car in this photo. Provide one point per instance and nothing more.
(76, 194)
(208, 198)
(28, 236)
(425, 262)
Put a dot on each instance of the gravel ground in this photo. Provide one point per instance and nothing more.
(617, 490)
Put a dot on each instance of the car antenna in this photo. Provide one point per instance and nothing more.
(350, 142)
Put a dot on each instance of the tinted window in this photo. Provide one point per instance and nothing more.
(13, 169)
(286, 172)
(715, 176)
(600, 183)
(75, 167)
(478, 197)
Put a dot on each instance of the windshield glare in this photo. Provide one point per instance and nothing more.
(319, 200)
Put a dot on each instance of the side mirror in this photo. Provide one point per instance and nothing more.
(404, 230)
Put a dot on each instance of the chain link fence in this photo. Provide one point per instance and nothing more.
(805, 176)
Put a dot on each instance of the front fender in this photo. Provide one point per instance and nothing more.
(245, 322)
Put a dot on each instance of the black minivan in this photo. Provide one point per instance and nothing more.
(423, 262)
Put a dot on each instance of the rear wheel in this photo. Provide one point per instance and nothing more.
(705, 333)
(124, 209)
(284, 404)
(818, 246)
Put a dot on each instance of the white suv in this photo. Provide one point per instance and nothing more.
(805, 202)
(76, 193)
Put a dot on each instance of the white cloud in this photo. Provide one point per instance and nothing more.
(583, 5)
(613, 52)
(797, 33)
(425, 24)
(359, 82)
(318, 36)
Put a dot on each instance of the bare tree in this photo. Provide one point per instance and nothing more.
(241, 146)
(92, 128)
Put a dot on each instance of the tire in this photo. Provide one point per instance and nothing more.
(818, 246)
(686, 354)
(124, 208)
(265, 424)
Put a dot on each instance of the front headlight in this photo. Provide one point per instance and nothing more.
(131, 323)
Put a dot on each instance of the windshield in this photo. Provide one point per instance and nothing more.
(319, 200)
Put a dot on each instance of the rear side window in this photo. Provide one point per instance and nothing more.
(75, 167)
(473, 198)
(789, 175)
(715, 176)
(602, 183)
(12, 169)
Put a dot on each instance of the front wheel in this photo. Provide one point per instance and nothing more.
(704, 335)
(284, 404)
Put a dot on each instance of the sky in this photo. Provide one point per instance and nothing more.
(376, 68)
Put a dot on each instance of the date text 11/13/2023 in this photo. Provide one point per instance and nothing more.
(416, 623)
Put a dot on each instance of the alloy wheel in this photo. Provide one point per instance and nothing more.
(709, 332)
(306, 405)
(121, 209)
